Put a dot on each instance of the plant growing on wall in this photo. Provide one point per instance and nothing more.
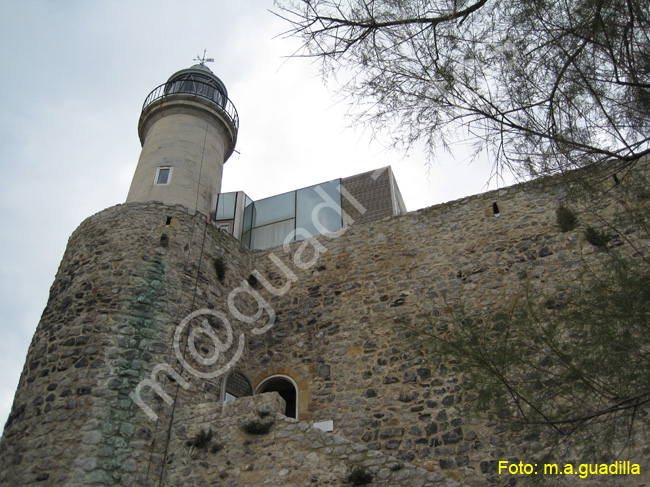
(566, 219)
(201, 439)
(257, 427)
(596, 238)
(220, 268)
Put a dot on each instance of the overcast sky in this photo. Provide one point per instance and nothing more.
(74, 75)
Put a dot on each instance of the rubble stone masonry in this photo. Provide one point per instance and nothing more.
(344, 309)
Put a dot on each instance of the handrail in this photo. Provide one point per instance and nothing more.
(196, 88)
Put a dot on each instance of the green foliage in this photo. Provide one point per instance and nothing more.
(566, 219)
(220, 268)
(596, 238)
(576, 365)
(200, 440)
(359, 476)
(564, 366)
(575, 93)
(257, 427)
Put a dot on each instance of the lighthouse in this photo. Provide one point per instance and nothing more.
(188, 130)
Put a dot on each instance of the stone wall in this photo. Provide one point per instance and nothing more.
(128, 277)
(334, 314)
(345, 326)
(292, 453)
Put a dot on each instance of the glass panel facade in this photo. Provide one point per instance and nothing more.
(267, 223)
(246, 239)
(249, 208)
(274, 209)
(248, 215)
(318, 208)
(226, 206)
(271, 235)
(199, 85)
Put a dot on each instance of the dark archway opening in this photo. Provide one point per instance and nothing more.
(287, 391)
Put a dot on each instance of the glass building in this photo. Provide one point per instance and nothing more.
(312, 211)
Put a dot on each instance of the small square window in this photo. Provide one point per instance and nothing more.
(163, 175)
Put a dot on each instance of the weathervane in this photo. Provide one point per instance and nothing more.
(202, 60)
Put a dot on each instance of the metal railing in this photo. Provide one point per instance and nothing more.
(196, 88)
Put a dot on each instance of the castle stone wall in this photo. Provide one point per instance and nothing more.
(129, 275)
(346, 322)
(343, 306)
(291, 453)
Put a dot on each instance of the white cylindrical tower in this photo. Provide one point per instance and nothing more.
(188, 129)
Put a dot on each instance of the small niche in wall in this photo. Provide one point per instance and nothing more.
(495, 209)
(253, 282)
(220, 268)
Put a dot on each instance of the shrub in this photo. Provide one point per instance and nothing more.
(566, 219)
(201, 439)
(596, 238)
(220, 268)
(257, 427)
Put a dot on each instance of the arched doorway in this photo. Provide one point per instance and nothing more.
(287, 389)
